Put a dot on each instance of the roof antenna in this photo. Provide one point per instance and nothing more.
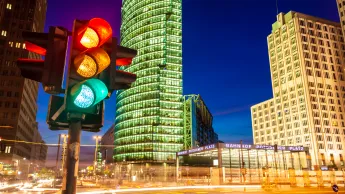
(277, 7)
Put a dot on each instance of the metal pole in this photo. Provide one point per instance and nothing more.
(275, 164)
(70, 173)
(57, 156)
(239, 161)
(250, 174)
(230, 164)
(57, 161)
(242, 167)
(177, 167)
(258, 162)
(95, 160)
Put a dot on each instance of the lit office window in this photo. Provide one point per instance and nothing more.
(8, 149)
(3, 33)
(24, 46)
(10, 43)
(9, 6)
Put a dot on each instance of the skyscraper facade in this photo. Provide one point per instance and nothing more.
(307, 57)
(198, 123)
(149, 115)
(18, 96)
(341, 10)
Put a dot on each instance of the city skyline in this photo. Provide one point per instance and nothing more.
(231, 109)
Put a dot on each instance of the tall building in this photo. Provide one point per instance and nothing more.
(38, 150)
(18, 96)
(149, 115)
(107, 145)
(341, 9)
(307, 57)
(198, 122)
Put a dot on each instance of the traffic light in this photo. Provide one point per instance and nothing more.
(117, 79)
(53, 46)
(87, 60)
(92, 74)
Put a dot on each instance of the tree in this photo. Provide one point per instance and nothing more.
(45, 173)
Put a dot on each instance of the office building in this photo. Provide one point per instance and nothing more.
(198, 122)
(341, 10)
(107, 145)
(149, 115)
(18, 96)
(307, 56)
(38, 150)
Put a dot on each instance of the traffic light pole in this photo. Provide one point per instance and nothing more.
(70, 172)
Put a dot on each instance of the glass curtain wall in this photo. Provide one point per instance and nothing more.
(149, 115)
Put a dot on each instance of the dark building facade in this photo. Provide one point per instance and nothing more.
(18, 96)
(107, 145)
(198, 122)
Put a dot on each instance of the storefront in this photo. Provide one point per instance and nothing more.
(243, 162)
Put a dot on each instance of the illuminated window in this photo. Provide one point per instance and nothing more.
(3, 33)
(9, 6)
(17, 45)
(24, 46)
(10, 43)
(8, 149)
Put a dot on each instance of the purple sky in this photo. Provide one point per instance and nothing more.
(224, 56)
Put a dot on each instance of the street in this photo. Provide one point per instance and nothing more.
(188, 190)
(205, 190)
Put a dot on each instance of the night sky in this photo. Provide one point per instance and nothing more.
(225, 57)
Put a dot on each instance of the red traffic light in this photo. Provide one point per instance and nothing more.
(123, 61)
(93, 34)
(34, 48)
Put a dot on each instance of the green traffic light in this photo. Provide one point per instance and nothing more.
(88, 93)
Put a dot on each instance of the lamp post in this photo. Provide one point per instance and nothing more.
(64, 149)
(97, 138)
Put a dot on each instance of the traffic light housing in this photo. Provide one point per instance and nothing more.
(92, 71)
(53, 46)
(88, 59)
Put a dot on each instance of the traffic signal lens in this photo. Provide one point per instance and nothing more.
(91, 62)
(88, 93)
(90, 38)
(88, 67)
(85, 98)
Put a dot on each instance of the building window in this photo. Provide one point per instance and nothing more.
(341, 160)
(9, 6)
(332, 159)
(3, 33)
(8, 149)
(24, 46)
(13, 115)
(323, 160)
(10, 43)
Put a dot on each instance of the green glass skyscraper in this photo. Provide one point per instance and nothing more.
(149, 115)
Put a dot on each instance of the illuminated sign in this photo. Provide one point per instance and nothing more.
(208, 147)
(195, 150)
(238, 146)
(295, 148)
(244, 146)
(212, 146)
(182, 153)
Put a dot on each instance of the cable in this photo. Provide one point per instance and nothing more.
(51, 145)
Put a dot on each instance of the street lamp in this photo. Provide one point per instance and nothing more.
(96, 138)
